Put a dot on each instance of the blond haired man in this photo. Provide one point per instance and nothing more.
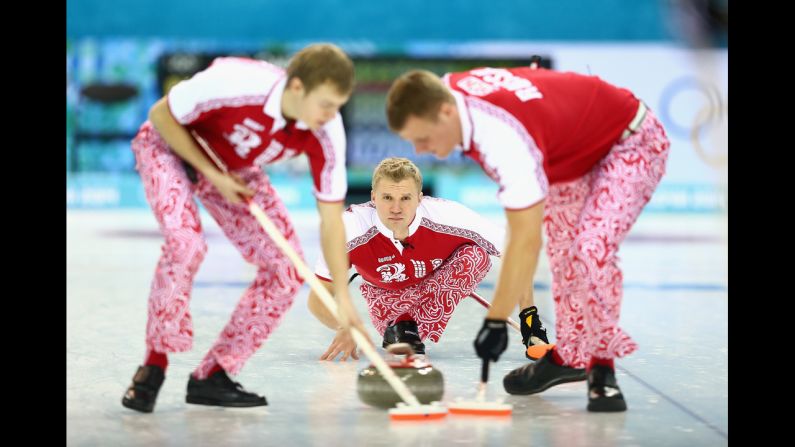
(418, 256)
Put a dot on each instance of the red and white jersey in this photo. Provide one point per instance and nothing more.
(438, 229)
(528, 128)
(235, 106)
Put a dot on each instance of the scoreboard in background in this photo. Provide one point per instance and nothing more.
(689, 97)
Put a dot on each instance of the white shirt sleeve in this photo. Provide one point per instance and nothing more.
(227, 82)
(329, 172)
(484, 232)
(492, 232)
(321, 267)
(510, 153)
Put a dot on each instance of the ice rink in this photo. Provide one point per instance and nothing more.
(676, 385)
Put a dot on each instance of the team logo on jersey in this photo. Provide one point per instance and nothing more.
(419, 268)
(392, 272)
(436, 263)
(244, 138)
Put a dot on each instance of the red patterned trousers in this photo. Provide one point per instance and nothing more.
(430, 302)
(170, 194)
(585, 221)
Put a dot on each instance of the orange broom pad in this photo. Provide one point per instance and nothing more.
(479, 406)
(535, 352)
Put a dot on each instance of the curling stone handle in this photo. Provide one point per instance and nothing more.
(386, 371)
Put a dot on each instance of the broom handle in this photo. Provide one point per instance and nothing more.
(331, 305)
(314, 283)
(487, 305)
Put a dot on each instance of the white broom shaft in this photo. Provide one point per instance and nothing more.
(331, 305)
(314, 283)
(487, 305)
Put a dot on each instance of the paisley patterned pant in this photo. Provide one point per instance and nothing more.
(170, 194)
(430, 302)
(585, 221)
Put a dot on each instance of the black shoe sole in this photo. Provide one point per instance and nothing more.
(607, 405)
(220, 403)
(131, 404)
(536, 391)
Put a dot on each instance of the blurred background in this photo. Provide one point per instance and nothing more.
(122, 56)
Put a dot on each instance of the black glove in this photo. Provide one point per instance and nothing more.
(531, 326)
(491, 340)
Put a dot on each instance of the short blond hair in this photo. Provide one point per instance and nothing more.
(417, 93)
(397, 169)
(320, 63)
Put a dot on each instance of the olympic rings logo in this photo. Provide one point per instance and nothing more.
(711, 119)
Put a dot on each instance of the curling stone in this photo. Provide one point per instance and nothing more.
(422, 379)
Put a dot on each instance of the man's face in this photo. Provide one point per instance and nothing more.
(396, 203)
(438, 137)
(320, 105)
